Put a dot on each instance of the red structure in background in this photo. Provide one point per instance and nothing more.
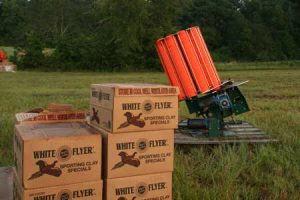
(187, 63)
(2, 56)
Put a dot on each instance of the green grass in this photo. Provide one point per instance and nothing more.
(278, 65)
(204, 172)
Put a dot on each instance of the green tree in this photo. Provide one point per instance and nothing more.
(128, 30)
(271, 21)
(111, 35)
(11, 20)
(247, 29)
(219, 21)
(32, 53)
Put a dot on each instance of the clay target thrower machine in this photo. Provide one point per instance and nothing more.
(189, 66)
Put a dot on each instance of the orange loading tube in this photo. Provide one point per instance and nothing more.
(187, 63)
(168, 66)
(205, 59)
(180, 66)
(193, 62)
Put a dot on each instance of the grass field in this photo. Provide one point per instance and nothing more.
(204, 172)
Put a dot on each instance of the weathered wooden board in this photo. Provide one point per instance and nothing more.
(6, 183)
(243, 132)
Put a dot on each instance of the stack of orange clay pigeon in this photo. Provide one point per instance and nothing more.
(57, 156)
(137, 123)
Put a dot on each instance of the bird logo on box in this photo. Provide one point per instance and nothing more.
(132, 120)
(45, 168)
(127, 160)
(124, 198)
(95, 116)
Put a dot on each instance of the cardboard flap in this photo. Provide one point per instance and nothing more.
(43, 131)
(53, 113)
(140, 89)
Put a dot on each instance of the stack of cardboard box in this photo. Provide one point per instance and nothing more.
(137, 123)
(57, 161)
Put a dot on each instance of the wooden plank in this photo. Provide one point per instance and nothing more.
(204, 142)
(243, 129)
(251, 133)
(218, 138)
(226, 142)
(240, 126)
(250, 141)
(241, 133)
(6, 183)
(223, 140)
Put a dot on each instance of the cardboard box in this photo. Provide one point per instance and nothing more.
(57, 154)
(82, 191)
(153, 186)
(137, 153)
(121, 108)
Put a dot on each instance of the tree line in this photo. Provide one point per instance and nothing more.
(119, 35)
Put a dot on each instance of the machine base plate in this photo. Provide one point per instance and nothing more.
(234, 133)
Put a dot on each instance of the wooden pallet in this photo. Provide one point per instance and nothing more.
(242, 132)
(6, 183)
